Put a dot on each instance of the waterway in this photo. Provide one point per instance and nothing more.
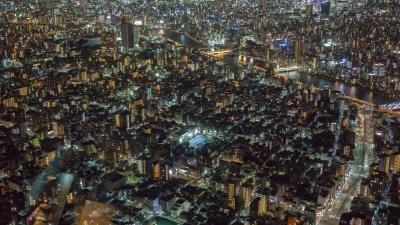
(304, 78)
(183, 39)
(349, 90)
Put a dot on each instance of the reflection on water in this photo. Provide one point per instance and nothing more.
(183, 39)
(347, 89)
(317, 82)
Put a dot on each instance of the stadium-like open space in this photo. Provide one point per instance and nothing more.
(197, 141)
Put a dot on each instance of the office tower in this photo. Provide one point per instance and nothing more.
(258, 207)
(156, 170)
(247, 197)
(326, 8)
(127, 34)
(384, 162)
(231, 191)
(281, 191)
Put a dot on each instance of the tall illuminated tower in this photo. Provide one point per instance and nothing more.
(127, 34)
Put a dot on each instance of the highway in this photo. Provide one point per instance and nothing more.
(343, 203)
(350, 188)
(343, 200)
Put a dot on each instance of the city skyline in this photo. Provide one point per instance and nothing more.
(245, 112)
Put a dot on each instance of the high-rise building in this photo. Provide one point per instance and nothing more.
(384, 162)
(258, 207)
(378, 184)
(156, 171)
(164, 170)
(127, 34)
(58, 20)
(144, 164)
(326, 8)
(365, 188)
(296, 50)
(110, 158)
(261, 181)
(246, 188)
(395, 161)
(113, 180)
(43, 20)
(231, 191)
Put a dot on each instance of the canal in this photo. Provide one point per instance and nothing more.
(304, 78)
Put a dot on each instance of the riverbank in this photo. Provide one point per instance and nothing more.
(351, 83)
(187, 35)
(316, 79)
(184, 39)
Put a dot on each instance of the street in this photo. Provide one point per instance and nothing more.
(360, 170)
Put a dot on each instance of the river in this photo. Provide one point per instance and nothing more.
(351, 91)
(183, 39)
(316, 81)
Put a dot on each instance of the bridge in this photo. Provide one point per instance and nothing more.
(358, 101)
(220, 55)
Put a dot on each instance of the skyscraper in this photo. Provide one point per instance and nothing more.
(296, 50)
(326, 8)
(127, 34)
